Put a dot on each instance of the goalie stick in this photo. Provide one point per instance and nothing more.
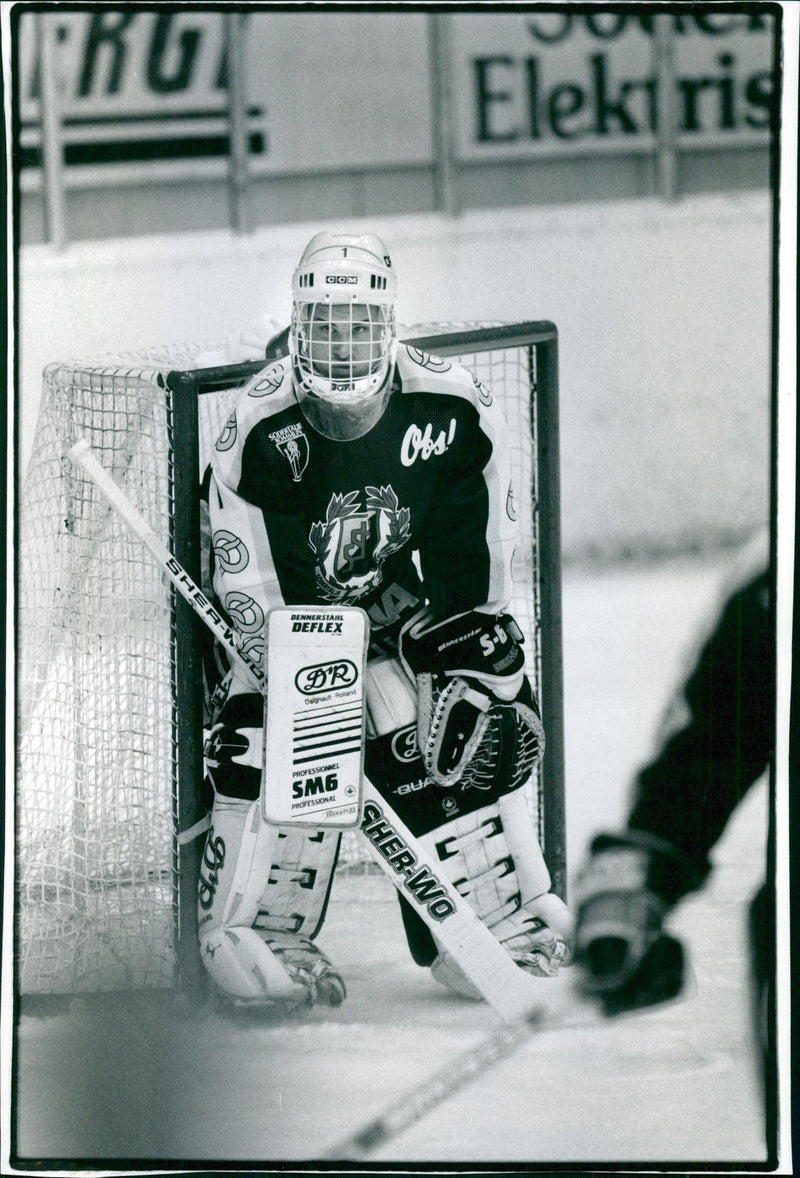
(413, 871)
(81, 453)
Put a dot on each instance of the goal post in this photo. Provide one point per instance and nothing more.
(110, 669)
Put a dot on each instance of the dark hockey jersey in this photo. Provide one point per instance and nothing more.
(719, 731)
(421, 508)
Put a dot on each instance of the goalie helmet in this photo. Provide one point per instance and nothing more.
(342, 340)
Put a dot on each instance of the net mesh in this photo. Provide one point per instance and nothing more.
(96, 799)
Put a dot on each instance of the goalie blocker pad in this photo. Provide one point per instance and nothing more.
(315, 716)
(483, 647)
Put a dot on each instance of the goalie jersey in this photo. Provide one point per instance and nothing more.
(421, 508)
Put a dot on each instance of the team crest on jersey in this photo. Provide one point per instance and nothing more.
(354, 540)
(293, 445)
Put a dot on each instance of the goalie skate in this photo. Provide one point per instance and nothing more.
(307, 966)
(316, 981)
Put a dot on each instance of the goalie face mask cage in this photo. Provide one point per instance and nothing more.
(343, 331)
(343, 356)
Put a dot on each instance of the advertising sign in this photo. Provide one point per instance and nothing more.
(143, 93)
(581, 82)
(133, 87)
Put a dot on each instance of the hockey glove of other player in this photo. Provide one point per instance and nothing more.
(462, 666)
(623, 956)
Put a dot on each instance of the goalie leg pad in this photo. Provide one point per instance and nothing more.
(292, 908)
(253, 954)
(493, 857)
(298, 885)
(523, 845)
(236, 861)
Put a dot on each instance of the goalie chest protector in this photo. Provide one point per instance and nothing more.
(338, 522)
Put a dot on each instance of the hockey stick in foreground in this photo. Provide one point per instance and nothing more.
(456, 1074)
(569, 1011)
(511, 992)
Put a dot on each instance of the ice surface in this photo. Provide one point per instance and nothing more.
(138, 1079)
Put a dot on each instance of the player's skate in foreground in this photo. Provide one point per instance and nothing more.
(356, 471)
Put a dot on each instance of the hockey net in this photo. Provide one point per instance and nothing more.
(102, 897)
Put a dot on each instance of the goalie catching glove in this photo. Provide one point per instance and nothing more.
(623, 956)
(469, 673)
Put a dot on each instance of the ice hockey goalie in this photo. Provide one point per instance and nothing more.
(356, 471)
